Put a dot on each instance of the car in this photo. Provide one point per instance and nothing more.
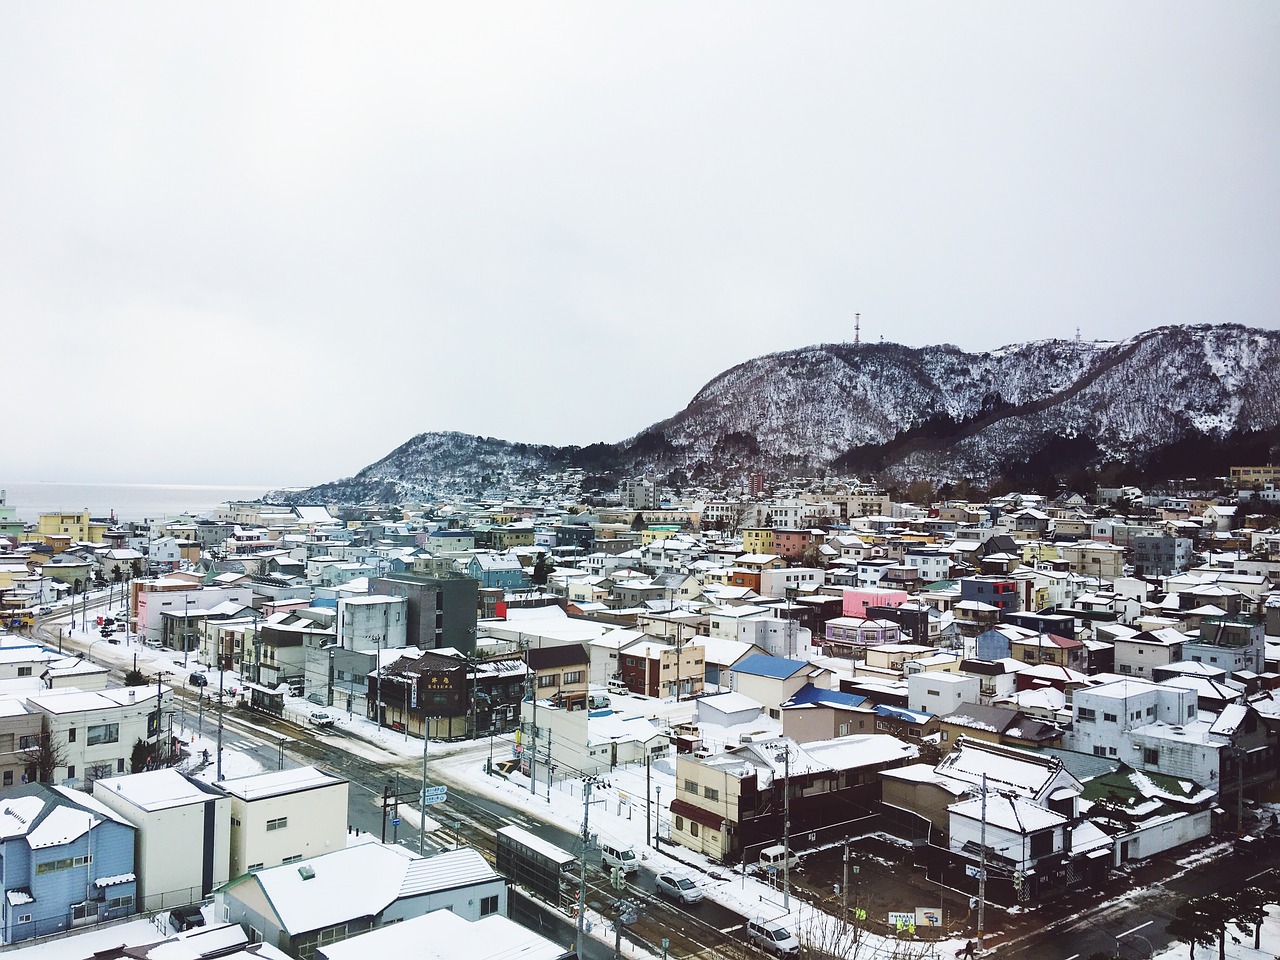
(106, 633)
(45, 611)
(198, 679)
(774, 936)
(108, 621)
(321, 719)
(678, 886)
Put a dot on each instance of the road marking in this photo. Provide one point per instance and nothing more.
(1135, 929)
(1258, 874)
(738, 926)
(1073, 956)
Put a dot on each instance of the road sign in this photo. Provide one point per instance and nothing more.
(430, 793)
(972, 871)
(395, 821)
(428, 801)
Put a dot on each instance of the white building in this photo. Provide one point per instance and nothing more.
(94, 731)
(285, 816)
(172, 813)
(941, 693)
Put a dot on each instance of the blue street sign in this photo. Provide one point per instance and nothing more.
(395, 821)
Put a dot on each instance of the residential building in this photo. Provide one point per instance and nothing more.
(441, 609)
(93, 733)
(304, 906)
(284, 816)
(172, 812)
(560, 674)
(68, 861)
(730, 805)
(452, 938)
(1141, 653)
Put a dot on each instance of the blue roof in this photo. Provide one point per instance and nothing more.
(810, 695)
(911, 716)
(763, 665)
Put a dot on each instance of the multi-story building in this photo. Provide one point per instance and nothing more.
(441, 609)
(173, 812)
(68, 861)
(284, 816)
(90, 735)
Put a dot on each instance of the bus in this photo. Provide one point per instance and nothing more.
(539, 866)
(18, 619)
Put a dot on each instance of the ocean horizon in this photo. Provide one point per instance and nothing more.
(128, 501)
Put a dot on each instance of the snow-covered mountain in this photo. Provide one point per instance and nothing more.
(932, 412)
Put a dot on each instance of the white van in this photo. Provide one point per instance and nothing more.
(774, 936)
(617, 686)
(612, 855)
(776, 857)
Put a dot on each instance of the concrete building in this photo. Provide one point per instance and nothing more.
(172, 813)
(284, 816)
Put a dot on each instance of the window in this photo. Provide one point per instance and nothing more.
(488, 905)
(120, 765)
(691, 786)
(679, 823)
(103, 733)
(71, 772)
(293, 859)
(254, 866)
(71, 735)
(1109, 717)
(24, 671)
(28, 743)
(934, 693)
(573, 676)
(1086, 714)
(1099, 751)
(711, 793)
(693, 828)
(548, 679)
(279, 823)
(8, 778)
(1151, 756)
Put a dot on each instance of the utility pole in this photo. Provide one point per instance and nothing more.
(844, 886)
(587, 784)
(221, 674)
(786, 830)
(648, 807)
(982, 863)
(422, 823)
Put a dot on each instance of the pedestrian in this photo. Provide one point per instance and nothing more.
(968, 950)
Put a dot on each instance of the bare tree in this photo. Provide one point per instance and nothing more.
(46, 755)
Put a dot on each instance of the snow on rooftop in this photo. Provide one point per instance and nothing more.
(277, 782)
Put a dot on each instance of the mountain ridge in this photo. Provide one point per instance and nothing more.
(935, 412)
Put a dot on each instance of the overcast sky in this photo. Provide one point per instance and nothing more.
(267, 243)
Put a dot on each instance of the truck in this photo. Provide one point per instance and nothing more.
(539, 866)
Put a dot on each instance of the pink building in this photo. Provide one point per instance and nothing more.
(858, 600)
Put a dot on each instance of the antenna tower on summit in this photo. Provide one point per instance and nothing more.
(1077, 334)
(857, 328)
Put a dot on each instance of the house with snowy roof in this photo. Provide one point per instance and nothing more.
(300, 907)
(730, 805)
(450, 937)
(68, 860)
(773, 680)
(814, 713)
(1159, 728)
(999, 725)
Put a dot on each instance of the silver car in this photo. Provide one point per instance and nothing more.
(679, 887)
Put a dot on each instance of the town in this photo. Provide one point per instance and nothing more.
(816, 717)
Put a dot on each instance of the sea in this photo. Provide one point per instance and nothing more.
(128, 501)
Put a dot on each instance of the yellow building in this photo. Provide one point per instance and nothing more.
(757, 540)
(1246, 477)
(657, 533)
(77, 526)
